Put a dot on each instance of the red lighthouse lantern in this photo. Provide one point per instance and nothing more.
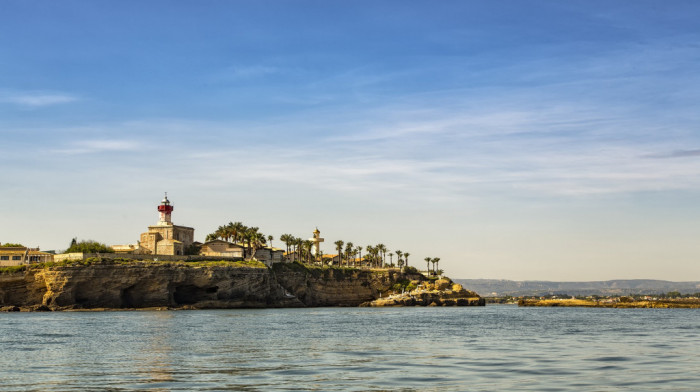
(165, 209)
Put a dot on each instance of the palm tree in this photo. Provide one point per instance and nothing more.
(370, 255)
(427, 260)
(405, 258)
(398, 256)
(307, 245)
(286, 238)
(339, 246)
(382, 249)
(391, 258)
(238, 230)
(250, 235)
(270, 238)
(435, 262)
(359, 250)
(348, 252)
(298, 242)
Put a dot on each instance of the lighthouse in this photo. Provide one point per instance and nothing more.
(316, 243)
(165, 209)
(166, 238)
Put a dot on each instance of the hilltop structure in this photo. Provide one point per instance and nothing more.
(316, 241)
(165, 238)
(19, 255)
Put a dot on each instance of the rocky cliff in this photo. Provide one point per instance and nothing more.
(442, 292)
(137, 284)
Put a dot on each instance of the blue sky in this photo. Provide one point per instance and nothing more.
(514, 139)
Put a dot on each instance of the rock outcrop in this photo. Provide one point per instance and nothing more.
(127, 284)
(442, 292)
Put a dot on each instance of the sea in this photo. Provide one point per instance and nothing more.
(492, 348)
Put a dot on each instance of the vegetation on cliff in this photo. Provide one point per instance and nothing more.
(299, 249)
(11, 245)
(88, 246)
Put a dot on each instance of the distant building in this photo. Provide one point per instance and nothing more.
(19, 255)
(165, 238)
(269, 255)
(221, 248)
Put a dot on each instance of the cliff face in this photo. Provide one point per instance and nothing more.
(336, 287)
(109, 284)
(139, 285)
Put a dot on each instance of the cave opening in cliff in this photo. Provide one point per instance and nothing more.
(191, 294)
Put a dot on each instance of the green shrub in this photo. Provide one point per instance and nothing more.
(11, 245)
(88, 246)
(12, 269)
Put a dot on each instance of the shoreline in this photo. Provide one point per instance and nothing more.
(580, 303)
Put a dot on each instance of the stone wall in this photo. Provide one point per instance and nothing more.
(113, 256)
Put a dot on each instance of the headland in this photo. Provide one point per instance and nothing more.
(107, 283)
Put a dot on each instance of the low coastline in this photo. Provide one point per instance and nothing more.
(106, 284)
(620, 304)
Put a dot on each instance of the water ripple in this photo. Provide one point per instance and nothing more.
(351, 349)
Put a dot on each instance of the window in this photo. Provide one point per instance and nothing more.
(4, 257)
(16, 257)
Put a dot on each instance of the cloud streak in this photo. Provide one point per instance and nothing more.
(37, 100)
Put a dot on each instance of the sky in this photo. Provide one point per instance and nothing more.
(524, 140)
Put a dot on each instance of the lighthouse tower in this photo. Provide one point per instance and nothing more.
(165, 209)
(316, 242)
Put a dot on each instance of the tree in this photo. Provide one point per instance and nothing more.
(391, 258)
(306, 247)
(348, 252)
(435, 261)
(339, 247)
(286, 239)
(427, 260)
(359, 251)
(368, 256)
(269, 239)
(398, 256)
(382, 249)
(252, 236)
(89, 246)
(11, 245)
(405, 258)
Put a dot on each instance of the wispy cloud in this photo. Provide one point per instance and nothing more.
(676, 154)
(35, 100)
(100, 146)
(244, 72)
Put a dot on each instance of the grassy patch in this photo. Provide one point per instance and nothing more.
(12, 269)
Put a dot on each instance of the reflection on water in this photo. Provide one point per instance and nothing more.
(410, 349)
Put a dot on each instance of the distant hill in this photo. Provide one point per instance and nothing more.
(497, 287)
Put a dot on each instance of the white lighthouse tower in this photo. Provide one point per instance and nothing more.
(316, 241)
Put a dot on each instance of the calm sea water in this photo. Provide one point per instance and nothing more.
(493, 348)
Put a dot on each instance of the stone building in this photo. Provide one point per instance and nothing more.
(221, 248)
(19, 255)
(165, 238)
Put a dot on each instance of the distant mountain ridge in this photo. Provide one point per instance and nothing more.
(498, 287)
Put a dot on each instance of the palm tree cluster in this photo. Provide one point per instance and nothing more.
(298, 248)
(435, 261)
(250, 237)
(301, 250)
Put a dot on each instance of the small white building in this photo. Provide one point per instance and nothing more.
(221, 248)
